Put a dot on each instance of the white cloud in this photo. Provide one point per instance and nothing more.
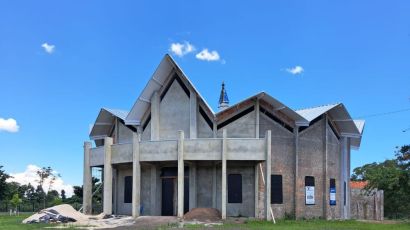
(295, 70)
(30, 176)
(205, 55)
(48, 48)
(181, 49)
(9, 125)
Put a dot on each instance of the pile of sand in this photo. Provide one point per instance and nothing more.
(203, 214)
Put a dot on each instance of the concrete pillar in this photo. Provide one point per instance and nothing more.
(136, 176)
(180, 174)
(268, 168)
(214, 205)
(107, 203)
(257, 118)
(296, 173)
(326, 191)
(215, 129)
(256, 190)
(343, 145)
(155, 100)
(347, 178)
(223, 197)
(154, 200)
(87, 180)
(192, 186)
(193, 105)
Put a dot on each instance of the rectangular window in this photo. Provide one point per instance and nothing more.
(332, 191)
(234, 188)
(309, 190)
(128, 189)
(276, 195)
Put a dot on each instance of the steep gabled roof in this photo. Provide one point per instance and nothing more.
(277, 105)
(158, 79)
(338, 113)
(105, 119)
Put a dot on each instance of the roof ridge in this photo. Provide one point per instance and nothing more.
(319, 106)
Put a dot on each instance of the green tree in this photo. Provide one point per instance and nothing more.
(15, 201)
(63, 196)
(44, 174)
(392, 176)
(3, 184)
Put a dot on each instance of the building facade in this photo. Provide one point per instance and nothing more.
(257, 158)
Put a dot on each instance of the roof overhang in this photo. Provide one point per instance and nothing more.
(157, 80)
(105, 121)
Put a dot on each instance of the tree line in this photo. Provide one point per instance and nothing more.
(29, 198)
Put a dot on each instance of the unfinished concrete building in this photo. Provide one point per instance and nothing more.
(257, 158)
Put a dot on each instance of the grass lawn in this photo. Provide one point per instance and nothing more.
(320, 225)
(14, 222)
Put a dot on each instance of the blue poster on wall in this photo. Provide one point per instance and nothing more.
(332, 200)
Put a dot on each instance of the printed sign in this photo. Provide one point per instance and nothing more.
(332, 196)
(310, 194)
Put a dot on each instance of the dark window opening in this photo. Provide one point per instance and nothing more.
(236, 117)
(344, 193)
(332, 191)
(309, 181)
(128, 189)
(276, 195)
(205, 116)
(277, 120)
(234, 188)
(332, 183)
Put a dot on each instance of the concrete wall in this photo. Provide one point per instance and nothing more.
(311, 148)
(146, 133)
(283, 163)
(367, 206)
(243, 127)
(333, 171)
(204, 131)
(174, 113)
(121, 207)
(124, 134)
(205, 179)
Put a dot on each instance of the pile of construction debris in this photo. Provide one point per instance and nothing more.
(58, 214)
(203, 215)
(67, 214)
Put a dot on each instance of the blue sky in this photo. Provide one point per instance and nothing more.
(353, 52)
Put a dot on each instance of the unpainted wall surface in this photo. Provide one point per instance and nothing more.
(311, 149)
(283, 163)
(366, 206)
(203, 129)
(204, 187)
(124, 134)
(174, 113)
(122, 208)
(243, 127)
(146, 134)
(333, 171)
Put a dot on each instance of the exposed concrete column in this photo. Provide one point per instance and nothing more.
(223, 198)
(347, 178)
(257, 118)
(296, 172)
(214, 205)
(343, 177)
(193, 105)
(192, 186)
(180, 174)
(268, 163)
(326, 192)
(107, 204)
(136, 176)
(215, 129)
(153, 186)
(256, 190)
(87, 180)
(155, 116)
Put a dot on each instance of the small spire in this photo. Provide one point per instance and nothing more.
(223, 98)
